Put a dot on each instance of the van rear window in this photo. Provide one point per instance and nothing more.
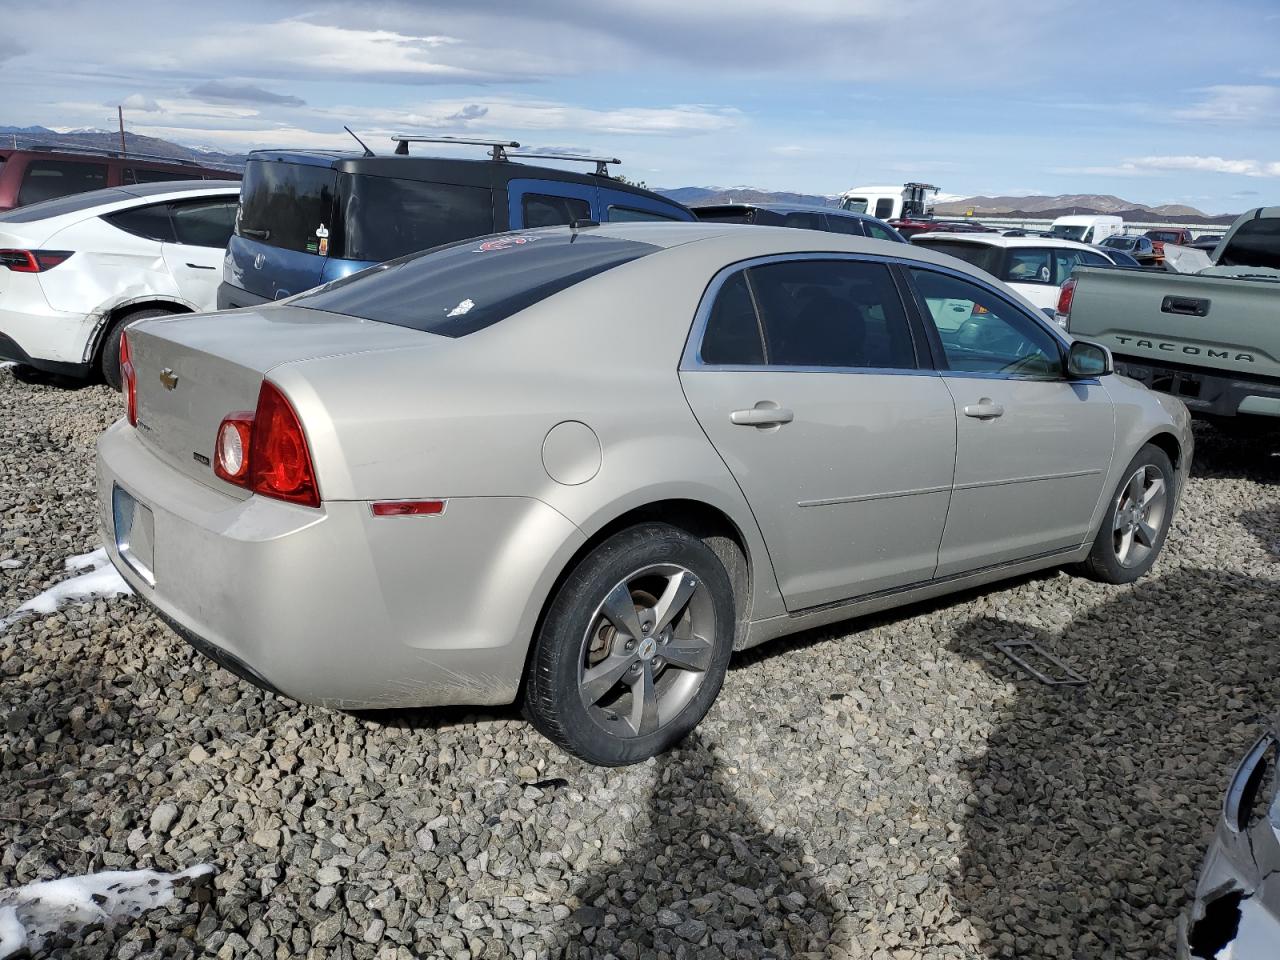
(456, 290)
(387, 217)
(287, 205)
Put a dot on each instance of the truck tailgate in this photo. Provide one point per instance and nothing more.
(1164, 318)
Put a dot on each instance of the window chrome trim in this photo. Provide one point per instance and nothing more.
(691, 356)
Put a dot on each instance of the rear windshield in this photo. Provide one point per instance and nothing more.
(50, 179)
(386, 217)
(457, 290)
(981, 255)
(287, 205)
(1121, 243)
(1164, 236)
(723, 214)
(1256, 243)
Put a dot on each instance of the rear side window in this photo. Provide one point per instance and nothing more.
(1029, 265)
(150, 223)
(50, 179)
(204, 223)
(465, 287)
(388, 217)
(287, 205)
(543, 210)
(810, 313)
(804, 221)
(980, 255)
(849, 225)
(144, 175)
(632, 215)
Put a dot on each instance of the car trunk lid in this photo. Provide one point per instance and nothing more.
(192, 371)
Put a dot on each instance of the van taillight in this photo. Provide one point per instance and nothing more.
(128, 380)
(266, 451)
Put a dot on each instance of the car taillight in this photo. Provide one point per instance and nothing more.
(128, 380)
(1068, 293)
(33, 261)
(266, 451)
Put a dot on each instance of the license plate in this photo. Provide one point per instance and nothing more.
(135, 533)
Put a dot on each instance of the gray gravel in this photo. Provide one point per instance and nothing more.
(888, 790)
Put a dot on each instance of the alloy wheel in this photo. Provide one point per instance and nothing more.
(1140, 512)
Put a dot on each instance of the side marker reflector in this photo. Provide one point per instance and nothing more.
(408, 508)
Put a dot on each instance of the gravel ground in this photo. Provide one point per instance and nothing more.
(887, 789)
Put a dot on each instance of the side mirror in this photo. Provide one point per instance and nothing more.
(1086, 360)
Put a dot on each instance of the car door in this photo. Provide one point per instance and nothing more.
(549, 203)
(803, 371)
(201, 228)
(1033, 448)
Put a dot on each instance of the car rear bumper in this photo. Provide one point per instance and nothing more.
(46, 339)
(335, 606)
(11, 350)
(1205, 394)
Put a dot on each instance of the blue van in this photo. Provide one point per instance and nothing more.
(310, 216)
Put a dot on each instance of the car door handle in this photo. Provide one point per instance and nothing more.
(984, 409)
(199, 266)
(763, 414)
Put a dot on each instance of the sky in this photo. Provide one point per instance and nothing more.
(1169, 102)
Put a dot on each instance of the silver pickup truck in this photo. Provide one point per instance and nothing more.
(1210, 338)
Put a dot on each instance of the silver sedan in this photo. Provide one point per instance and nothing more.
(580, 467)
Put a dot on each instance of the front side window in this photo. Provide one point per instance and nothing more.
(1028, 265)
(810, 313)
(855, 204)
(878, 232)
(544, 210)
(387, 217)
(632, 215)
(467, 286)
(204, 223)
(287, 205)
(982, 333)
(884, 208)
(50, 179)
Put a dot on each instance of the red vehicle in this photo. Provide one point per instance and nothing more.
(910, 226)
(40, 173)
(1162, 235)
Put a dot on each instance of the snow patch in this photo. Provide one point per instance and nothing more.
(101, 580)
(30, 915)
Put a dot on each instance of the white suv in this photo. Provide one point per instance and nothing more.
(75, 271)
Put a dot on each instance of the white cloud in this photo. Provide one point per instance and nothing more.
(1149, 166)
(136, 101)
(1234, 103)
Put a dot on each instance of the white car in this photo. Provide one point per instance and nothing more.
(1036, 267)
(75, 271)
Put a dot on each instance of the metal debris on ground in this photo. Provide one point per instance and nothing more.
(1065, 676)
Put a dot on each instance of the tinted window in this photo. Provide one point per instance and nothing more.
(982, 333)
(50, 179)
(880, 232)
(810, 313)
(849, 225)
(631, 215)
(143, 175)
(456, 290)
(1029, 265)
(286, 204)
(388, 217)
(542, 210)
(804, 221)
(1121, 243)
(980, 255)
(732, 214)
(150, 222)
(733, 335)
(884, 207)
(1064, 232)
(1256, 243)
(204, 223)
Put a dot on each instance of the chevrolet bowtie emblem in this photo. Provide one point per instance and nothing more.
(168, 378)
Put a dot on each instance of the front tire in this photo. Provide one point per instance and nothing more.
(634, 647)
(109, 353)
(1137, 521)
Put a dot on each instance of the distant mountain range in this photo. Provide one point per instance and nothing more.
(1029, 207)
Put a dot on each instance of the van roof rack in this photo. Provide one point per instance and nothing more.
(498, 148)
(602, 168)
(102, 152)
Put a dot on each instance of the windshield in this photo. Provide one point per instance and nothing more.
(981, 255)
(459, 289)
(1120, 243)
(1064, 232)
(854, 204)
(287, 205)
(387, 217)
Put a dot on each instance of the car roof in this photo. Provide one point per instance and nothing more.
(999, 240)
(83, 204)
(783, 208)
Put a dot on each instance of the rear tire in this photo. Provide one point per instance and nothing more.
(1137, 520)
(109, 351)
(634, 647)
